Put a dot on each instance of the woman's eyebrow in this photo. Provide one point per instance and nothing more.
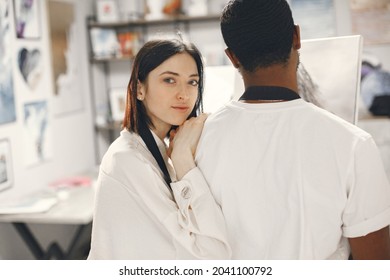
(177, 74)
(169, 72)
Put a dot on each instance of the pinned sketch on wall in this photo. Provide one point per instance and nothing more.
(30, 66)
(316, 18)
(36, 130)
(371, 19)
(27, 18)
(6, 179)
(67, 90)
(7, 97)
(334, 65)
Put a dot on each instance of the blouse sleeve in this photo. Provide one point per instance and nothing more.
(193, 218)
(200, 217)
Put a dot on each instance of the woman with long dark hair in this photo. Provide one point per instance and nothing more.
(152, 201)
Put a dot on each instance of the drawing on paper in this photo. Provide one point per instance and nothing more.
(36, 130)
(30, 66)
(27, 19)
(7, 99)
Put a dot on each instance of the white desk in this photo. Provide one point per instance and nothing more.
(76, 209)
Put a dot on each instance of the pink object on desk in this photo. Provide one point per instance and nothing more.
(74, 181)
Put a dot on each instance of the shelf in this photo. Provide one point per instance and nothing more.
(111, 59)
(164, 20)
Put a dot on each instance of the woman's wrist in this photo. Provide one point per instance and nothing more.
(183, 162)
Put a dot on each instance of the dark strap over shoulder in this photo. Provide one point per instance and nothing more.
(148, 138)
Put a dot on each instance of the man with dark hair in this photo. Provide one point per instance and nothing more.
(293, 180)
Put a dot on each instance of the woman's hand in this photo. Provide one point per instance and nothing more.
(183, 143)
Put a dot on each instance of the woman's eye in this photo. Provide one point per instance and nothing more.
(194, 83)
(169, 80)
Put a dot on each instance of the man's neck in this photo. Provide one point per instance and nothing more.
(276, 75)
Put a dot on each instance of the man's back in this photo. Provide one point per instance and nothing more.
(291, 180)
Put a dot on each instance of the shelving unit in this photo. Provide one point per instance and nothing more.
(101, 66)
(144, 24)
(164, 20)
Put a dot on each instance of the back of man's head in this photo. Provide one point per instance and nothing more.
(258, 32)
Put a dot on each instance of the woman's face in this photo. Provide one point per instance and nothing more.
(170, 92)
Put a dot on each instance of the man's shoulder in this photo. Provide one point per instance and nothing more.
(220, 115)
(330, 121)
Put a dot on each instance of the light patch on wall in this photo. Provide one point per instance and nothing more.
(64, 57)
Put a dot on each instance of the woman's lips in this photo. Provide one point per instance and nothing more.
(180, 108)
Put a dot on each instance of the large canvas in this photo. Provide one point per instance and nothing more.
(7, 98)
(36, 133)
(328, 76)
(333, 65)
(68, 95)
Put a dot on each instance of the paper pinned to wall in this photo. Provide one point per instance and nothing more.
(37, 133)
(7, 96)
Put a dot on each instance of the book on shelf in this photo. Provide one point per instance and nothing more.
(129, 43)
(109, 43)
(104, 42)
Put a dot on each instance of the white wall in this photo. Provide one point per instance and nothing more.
(71, 135)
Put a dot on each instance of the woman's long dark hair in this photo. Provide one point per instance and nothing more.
(150, 56)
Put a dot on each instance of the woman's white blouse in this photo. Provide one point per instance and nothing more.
(137, 217)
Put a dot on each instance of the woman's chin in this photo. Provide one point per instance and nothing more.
(179, 122)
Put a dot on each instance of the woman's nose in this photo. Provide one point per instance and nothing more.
(183, 93)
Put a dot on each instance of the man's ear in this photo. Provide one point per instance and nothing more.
(297, 37)
(233, 59)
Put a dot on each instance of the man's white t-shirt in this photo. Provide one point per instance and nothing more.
(293, 181)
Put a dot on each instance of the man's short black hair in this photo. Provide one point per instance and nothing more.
(258, 32)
